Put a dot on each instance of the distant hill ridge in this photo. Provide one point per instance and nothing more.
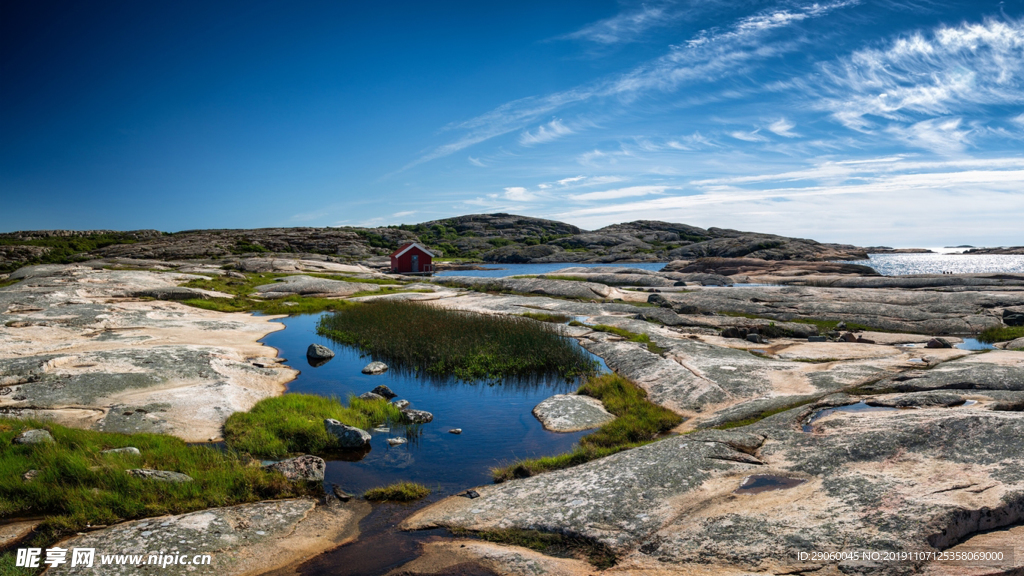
(500, 238)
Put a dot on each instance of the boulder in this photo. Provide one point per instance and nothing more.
(455, 431)
(571, 413)
(126, 450)
(159, 475)
(348, 436)
(816, 339)
(396, 441)
(376, 368)
(384, 391)
(34, 436)
(416, 416)
(401, 403)
(370, 396)
(754, 337)
(1013, 318)
(938, 343)
(1017, 344)
(308, 468)
(318, 352)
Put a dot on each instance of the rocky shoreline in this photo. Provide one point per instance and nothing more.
(829, 388)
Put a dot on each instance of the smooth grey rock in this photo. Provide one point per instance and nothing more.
(1017, 344)
(34, 436)
(384, 391)
(396, 441)
(455, 431)
(159, 475)
(375, 368)
(348, 436)
(307, 468)
(571, 413)
(539, 286)
(126, 450)
(416, 416)
(370, 396)
(1013, 318)
(400, 403)
(315, 287)
(318, 352)
(755, 338)
(817, 339)
(938, 343)
(172, 293)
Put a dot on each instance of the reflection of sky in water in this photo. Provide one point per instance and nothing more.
(496, 419)
(503, 270)
(904, 264)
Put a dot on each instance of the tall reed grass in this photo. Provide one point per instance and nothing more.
(466, 345)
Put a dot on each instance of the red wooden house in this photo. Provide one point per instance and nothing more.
(412, 258)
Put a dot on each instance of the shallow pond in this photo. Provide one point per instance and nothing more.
(496, 419)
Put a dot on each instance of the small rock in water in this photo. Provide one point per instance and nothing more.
(375, 368)
(817, 339)
(318, 352)
(34, 436)
(340, 494)
(309, 468)
(455, 431)
(159, 475)
(384, 391)
(396, 441)
(370, 396)
(938, 343)
(416, 416)
(126, 450)
(401, 403)
(348, 436)
(382, 430)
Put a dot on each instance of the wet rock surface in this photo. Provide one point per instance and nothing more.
(349, 437)
(246, 539)
(571, 412)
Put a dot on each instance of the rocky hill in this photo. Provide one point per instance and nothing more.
(500, 238)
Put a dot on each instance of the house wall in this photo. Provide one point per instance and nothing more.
(404, 262)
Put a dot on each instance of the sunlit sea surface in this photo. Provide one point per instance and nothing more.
(905, 264)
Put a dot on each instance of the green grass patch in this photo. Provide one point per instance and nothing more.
(823, 325)
(8, 282)
(545, 317)
(397, 492)
(243, 291)
(1001, 334)
(549, 544)
(466, 345)
(638, 421)
(64, 249)
(294, 423)
(628, 335)
(78, 486)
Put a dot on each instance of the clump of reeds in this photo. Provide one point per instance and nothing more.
(466, 345)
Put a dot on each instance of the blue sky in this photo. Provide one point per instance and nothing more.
(862, 121)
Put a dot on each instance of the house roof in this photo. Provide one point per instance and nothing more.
(409, 246)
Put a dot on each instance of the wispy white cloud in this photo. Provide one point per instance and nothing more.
(941, 73)
(941, 135)
(545, 133)
(476, 162)
(627, 26)
(519, 194)
(751, 136)
(627, 192)
(709, 56)
(783, 127)
(403, 213)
